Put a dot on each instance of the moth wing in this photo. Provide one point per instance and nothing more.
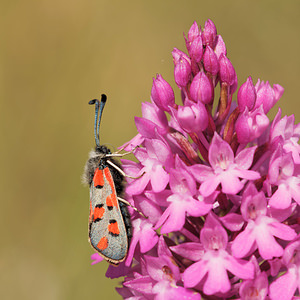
(107, 231)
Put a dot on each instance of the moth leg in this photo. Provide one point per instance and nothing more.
(121, 171)
(118, 154)
(127, 203)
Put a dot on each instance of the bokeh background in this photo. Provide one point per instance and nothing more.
(56, 56)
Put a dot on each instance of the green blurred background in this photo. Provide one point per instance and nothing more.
(55, 57)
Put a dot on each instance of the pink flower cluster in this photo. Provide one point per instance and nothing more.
(218, 182)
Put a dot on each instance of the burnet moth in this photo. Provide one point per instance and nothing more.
(109, 219)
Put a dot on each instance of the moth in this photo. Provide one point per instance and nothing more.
(109, 220)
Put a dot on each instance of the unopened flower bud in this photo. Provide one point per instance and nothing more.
(193, 32)
(250, 125)
(196, 49)
(192, 117)
(201, 89)
(227, 72)
(278, 92)
(162, 93)
(194, 43)
(234, 86)
(210, 61)
(267, 95)
(209, 33)
(246, 95)
(182, 70)
(177, 54)
(220, 46)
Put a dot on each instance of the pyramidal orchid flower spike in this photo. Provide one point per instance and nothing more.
(218, 182)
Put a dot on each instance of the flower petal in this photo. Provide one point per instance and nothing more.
(138, 185)
(219, 152)
(282, 231)
(201, 172)
(245, 157)
(159, 179)
(267, 245)
(194, 273)
(284, 287)
(192, 251)
(230, 183)
(217, 279)
(243, 243)
(281, 199)
(209, 186)
(241, 268)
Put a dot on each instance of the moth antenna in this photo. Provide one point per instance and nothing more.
(96, 102)
(102, 104)
(99, 106)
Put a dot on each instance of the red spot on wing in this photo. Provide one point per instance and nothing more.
(98, 178)
(103, 243)
(109, 178)
(113, 228)
(111, 200)
(98, 212)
